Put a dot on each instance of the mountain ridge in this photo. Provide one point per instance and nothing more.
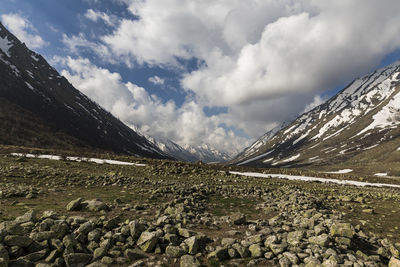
(36, 88)
(361, 116)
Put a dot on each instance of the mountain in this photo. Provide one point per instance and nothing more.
(208, 154)
(360, 123)
(41, 108)
(188, 153)
(173, 149)
(249, 151)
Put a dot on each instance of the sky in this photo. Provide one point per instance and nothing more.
(215, 72)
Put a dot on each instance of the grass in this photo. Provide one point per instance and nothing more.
(64, 181)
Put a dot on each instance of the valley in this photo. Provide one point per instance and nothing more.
(168, 213)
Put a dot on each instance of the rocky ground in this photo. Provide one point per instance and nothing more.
(60, 213)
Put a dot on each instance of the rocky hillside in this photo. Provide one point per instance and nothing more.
(41, 108)
(359, 123)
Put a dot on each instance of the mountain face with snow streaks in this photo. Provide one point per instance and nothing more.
(360, 118)
(33, 93)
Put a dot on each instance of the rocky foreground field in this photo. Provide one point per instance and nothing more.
(63, 213)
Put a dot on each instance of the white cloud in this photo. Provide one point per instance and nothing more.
(135, 106)
(97, 15)
(260, 53)
(23, 29)
(156, 80)
(318, 100)
(76, 43)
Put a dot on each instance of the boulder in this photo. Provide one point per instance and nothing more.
(174, 251)
(77, 259)
(394, 262)
(148, 241)
(75, 205)
(189, 261)
(16, 240)
(342, 230)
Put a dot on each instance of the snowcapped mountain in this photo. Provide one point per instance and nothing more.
(207, 154)
(261, 141)
(41, 108)
(188, 153)
(362, 118)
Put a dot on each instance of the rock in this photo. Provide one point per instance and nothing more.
(237, 218)
(44, 235)
(277, 248)
(185, 232)
(174, 251)
(85, 228)
(77, 259)
(16, 240)
(29, 216)
(193, 244)
(112, 223)
(272, 239)
(295, 237)
(147, 241)
(4, 253)
(94, 235)
(189, 261)
(100, 252)
(134, 254)
(75, 205)
(52, 256)
(36, 256)
(256, 239)
(96, 205)
(321, 240)
(227, 242)
(342, 230)
(220, 254)
(12, 228)
(291, 257)
(243, 251)
(136, 229)
(256, 251)
(284, 262)
(394, 262)
(331, 262)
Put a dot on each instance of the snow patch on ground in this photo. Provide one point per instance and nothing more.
(79, 159)
(342, 171)
(256, 158)
(381, 174)
(314, 179)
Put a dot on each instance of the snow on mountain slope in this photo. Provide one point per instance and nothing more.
(187, 153)
(360, 117)
(208, 154)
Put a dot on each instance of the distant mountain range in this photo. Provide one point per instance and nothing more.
(188, 153)
(359, 123)
(40, 108)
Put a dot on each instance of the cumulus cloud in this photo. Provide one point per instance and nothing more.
(260, 50)
(136, 107)
(156, 80)
(265, 60)
(23, 29)
(97, 15)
